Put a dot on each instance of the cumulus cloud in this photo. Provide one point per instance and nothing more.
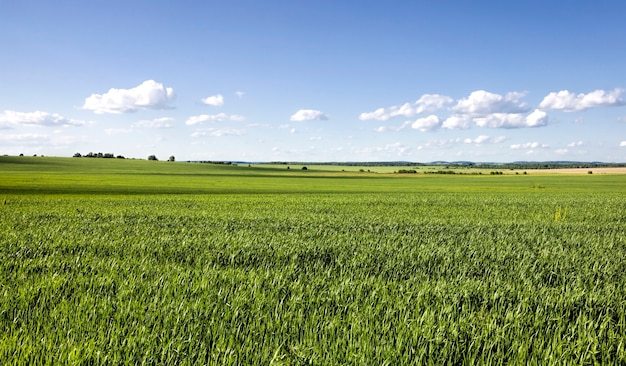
(220, 117)
(481, 103)
(537, 118)
(426, 103)
(9, 119)
(457, 121)
(392, 128)
(484, 139)
(240, 94)
(480, 108)
(308, 115)
(575, 144)
(569, 102)
(426, 124)
(622, 144)
(491, 110)
(432, 102)
(147, 95)
(219, 132)
(164, 122)
(215, 100)
(529, 145)
(117, 131)
(380, 115)
(512, 120)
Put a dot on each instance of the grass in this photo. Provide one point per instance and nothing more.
(131, 262)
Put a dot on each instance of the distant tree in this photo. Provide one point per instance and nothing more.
(100, 155)
(77, 155)
(120, 157)
(304, 168)
(108, 155)
(172, 158)
(152, 157)
(21, 154)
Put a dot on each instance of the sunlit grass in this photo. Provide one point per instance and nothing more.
(202, 264)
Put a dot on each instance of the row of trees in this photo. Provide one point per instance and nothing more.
(111, 156)
(98, 155)
(153, 157)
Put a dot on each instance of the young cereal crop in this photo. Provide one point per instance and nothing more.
(409, 274)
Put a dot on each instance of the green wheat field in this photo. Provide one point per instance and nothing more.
(110, 261)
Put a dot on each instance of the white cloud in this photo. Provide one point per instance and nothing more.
(529, 145)
(432, 102)
(570, 102)
(561, 151)
(482, 103)
(500, 120)
(575, 144)
(240, 94)
(426, 103)
(392, 128)
(622, 144)
(380, 115)
(117, 131)
(164, 122)
(308, 115)
(537, 118)
(457, 121)
(426, 124)
(220, 117)
(512, 120)
(147, 95)
(9, 119)
(491, 110)
(482, 108)
(219, 132)
(484, 139)
(215, 100)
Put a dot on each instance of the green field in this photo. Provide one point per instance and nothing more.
(107, 261)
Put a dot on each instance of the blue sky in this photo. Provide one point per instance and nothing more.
(315, 80)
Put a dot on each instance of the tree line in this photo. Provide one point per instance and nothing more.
(111, 156)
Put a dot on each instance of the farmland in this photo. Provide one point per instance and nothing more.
(130, 262)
